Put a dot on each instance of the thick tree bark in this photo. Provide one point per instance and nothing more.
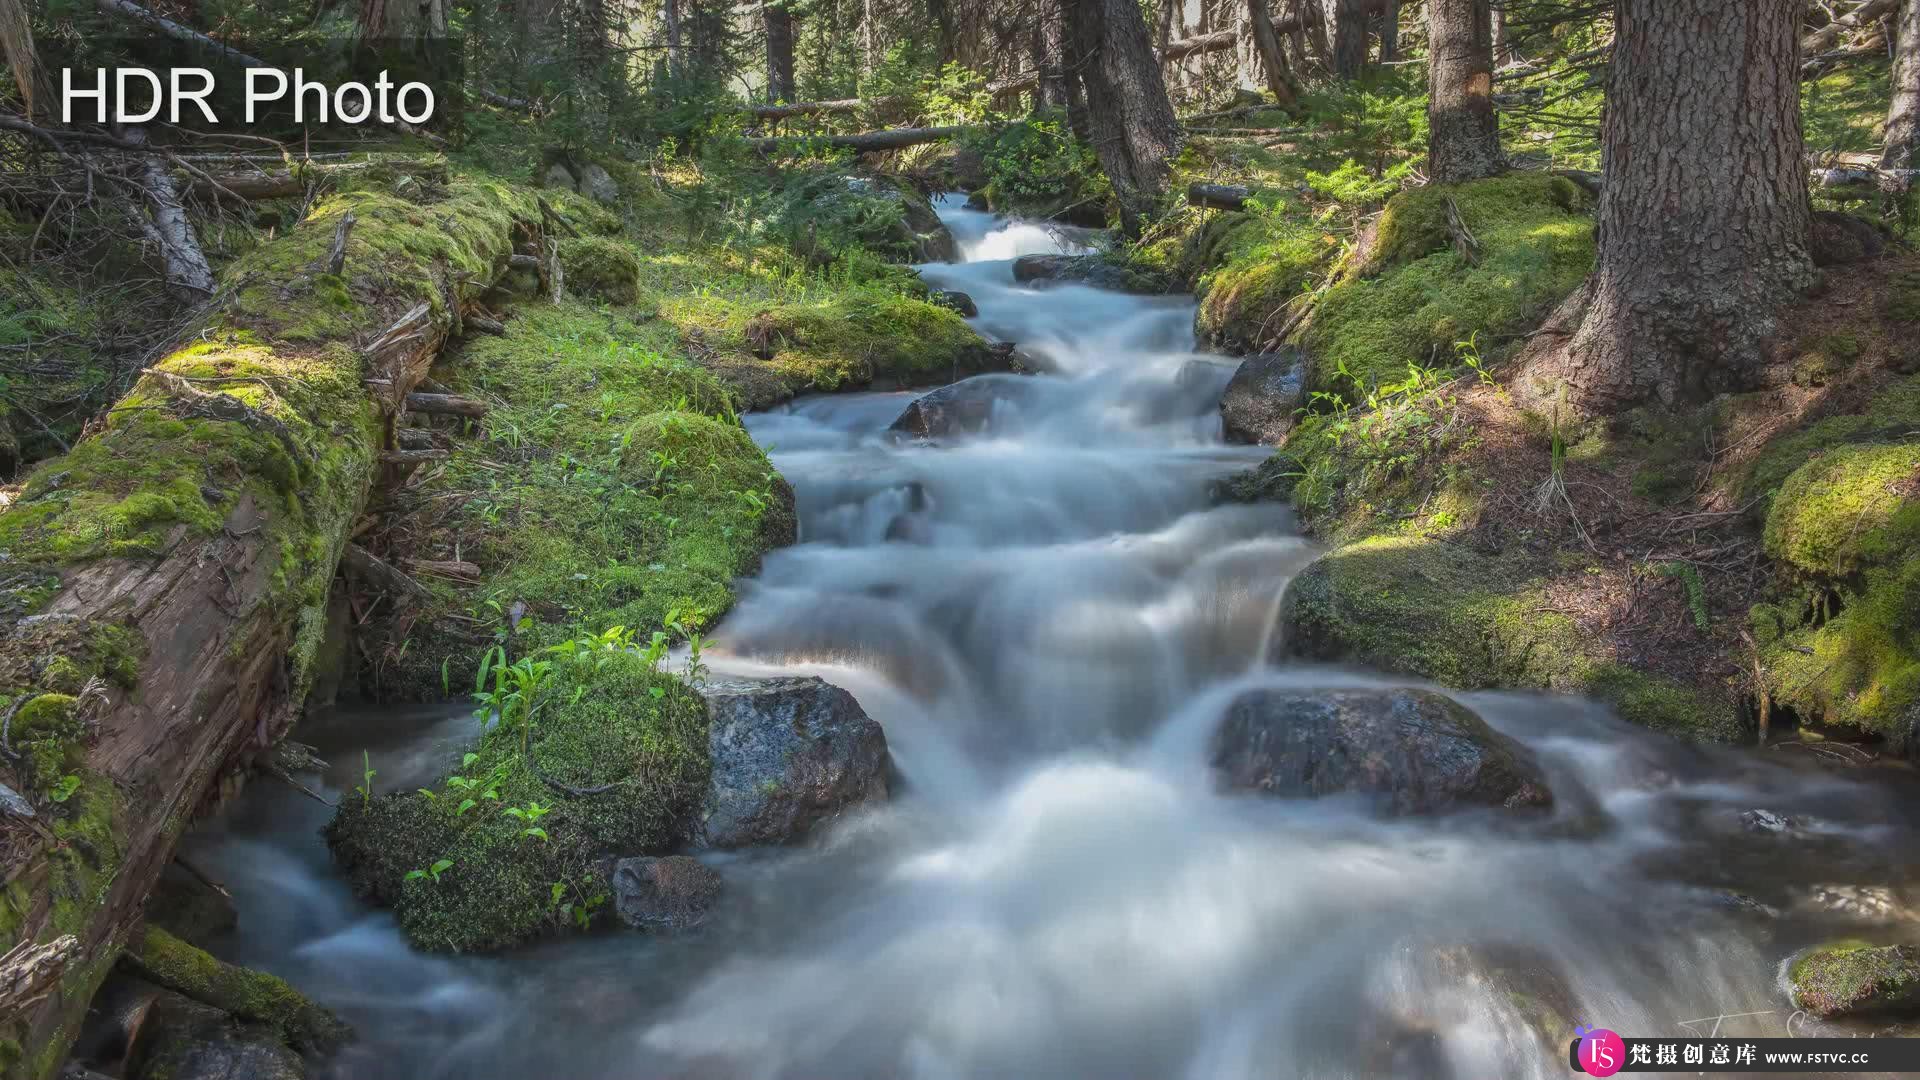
(1273, 55)
(1903, 115)
(1502, 51)
(1058, 88)
(1350, 38)
(778, 18)
(1703, 224)
(1464, 133)
(1131, 119)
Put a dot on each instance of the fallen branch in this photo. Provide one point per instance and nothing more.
(30, 971)
(868, 141)
(337, 255)
(126, 9)
(447, 405)
(358, 562)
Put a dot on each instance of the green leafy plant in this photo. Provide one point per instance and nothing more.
(1696, 589)
(367, 773)
(64, 790)
(432, 872)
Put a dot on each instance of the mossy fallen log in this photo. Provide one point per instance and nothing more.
(165, 581)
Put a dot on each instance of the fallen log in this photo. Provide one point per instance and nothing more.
(447, 405)
(189, 275)
(867, 141)
(819, 108)
(358, 562)
(186, 551)
(1860, 18)
(1218, 196)
(127, 9)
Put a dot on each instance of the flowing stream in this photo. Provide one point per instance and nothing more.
(1048, 617)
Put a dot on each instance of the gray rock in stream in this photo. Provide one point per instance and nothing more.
(664, 894)
(1414, 751)
(1261, 400)
(962, 408)
(788, 755)
(182, 1039)
(1091, 270)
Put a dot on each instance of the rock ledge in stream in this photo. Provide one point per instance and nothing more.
(664, 894)
(962, 408)
(1091, 270)
(1415, 751)
(1260, 401)
(1852, 977)
(788, 755)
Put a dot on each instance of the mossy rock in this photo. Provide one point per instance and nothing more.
(1441, 611)
(1854, 977)
(1848, 524)
(826, 216)
(600, 267)
(1848, 509)
(869, 339)
(241, 992)
(1414, 296)
(1888, 417)
(616, 760)
(1250, 266)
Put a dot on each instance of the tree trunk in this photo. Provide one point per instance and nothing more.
(1703, 224)
(232, 479)
(1056, 88)
(1273, 55)
(1390, 32)
(945, 36)
(1464, 133)
(676, 56)
(1349, 38)
(779, 22)
(1903, 116)
(1312, 15)
(1131, 119)
(1502, 51)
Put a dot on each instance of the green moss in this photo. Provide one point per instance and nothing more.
(1536, 246)
(246, 994)
(599, 267)
(1903, 297)
(861, 337)
(616, 487)
(1850, 508)
(1853, 977)
(47, 731)
(1251, 266)
(1471, 621)
(1889, 416)
(608, 720)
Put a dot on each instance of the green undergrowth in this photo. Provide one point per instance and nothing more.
(613, 484)
(1408, 299)
(508, 847)
(1440, 610)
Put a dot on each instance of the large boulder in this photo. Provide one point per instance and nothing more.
(597, 184)
(961, 408)
(1853, 977)
(1415, 751)
(1092, 270)
(1263, 396)
(787, 755)
(825, 214)
(664, 894)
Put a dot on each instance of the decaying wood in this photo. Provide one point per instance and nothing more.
(414, 438)
(1860, 18)
(1218, 196)
(357, 562)
(818, 108)
(868, 141)
(215, 612)
(337, 255)
(127, 9)
(413, 457)
(1465, 244)
(446, 405)
(456, 569)
(485, 325)
(400, 356)
(29, 971)
(189, 275)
